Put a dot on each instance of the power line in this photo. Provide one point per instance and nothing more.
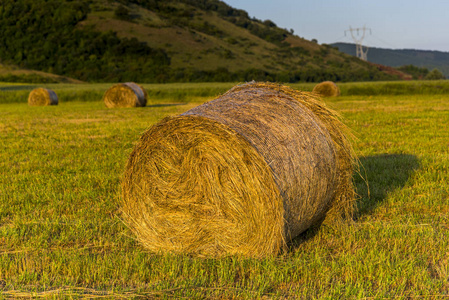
(384, 42)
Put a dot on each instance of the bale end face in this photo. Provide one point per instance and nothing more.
(193, 186)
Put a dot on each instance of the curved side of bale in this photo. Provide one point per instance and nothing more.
(241, 174)
(343, 204)
(327, 89)
(145, 95)
(42, 97)
(140, 91)
(126, 94)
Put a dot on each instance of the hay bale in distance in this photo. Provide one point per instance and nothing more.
(128, 94)
(42, 97)
(327, 89)
(242, 174)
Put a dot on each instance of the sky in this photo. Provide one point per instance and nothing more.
(393, 24)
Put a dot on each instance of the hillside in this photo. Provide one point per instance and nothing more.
(164, 41)
(14, 74)
(396, 58)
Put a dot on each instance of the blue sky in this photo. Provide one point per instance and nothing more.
(394, 24)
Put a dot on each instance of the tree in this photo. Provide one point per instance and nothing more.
(435, 74)
(122, 13)
(416, 72)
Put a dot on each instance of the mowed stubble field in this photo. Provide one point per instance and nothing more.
(61, 234)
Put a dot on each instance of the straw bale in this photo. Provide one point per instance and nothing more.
(242, 174)
(128, 94)
(42, 97)
(327, 89)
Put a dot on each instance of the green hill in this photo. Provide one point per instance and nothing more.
(403, 57)
(164, 41)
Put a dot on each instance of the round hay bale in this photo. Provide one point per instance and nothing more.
(128, 94)
(242, 174)
(42, 97)
(327, 89)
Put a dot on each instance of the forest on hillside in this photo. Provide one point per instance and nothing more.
(33, 38)
(43, 35)
(418, 63)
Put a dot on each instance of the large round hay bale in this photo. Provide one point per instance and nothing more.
(128, 94)
(242, 174)
(42, 97)
(327, 89)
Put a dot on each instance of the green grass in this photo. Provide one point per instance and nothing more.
(184, 92)
(177, 92)
(61, 235)
(429, 87)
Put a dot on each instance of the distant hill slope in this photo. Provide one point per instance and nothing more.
(396, 58)
(164, 41)
(14, 74)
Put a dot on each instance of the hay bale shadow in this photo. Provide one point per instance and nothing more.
(17, 88)
(165, 105)
(379, 175)
(382, 174)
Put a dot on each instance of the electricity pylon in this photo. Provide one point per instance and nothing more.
(360, 53)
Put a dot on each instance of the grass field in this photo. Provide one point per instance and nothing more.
(61, 235)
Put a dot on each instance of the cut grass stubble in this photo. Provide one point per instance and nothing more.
(59, 202)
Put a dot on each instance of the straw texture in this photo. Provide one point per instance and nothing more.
(327, 89)
(42, 97)
(128, 94)
(242, 174)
